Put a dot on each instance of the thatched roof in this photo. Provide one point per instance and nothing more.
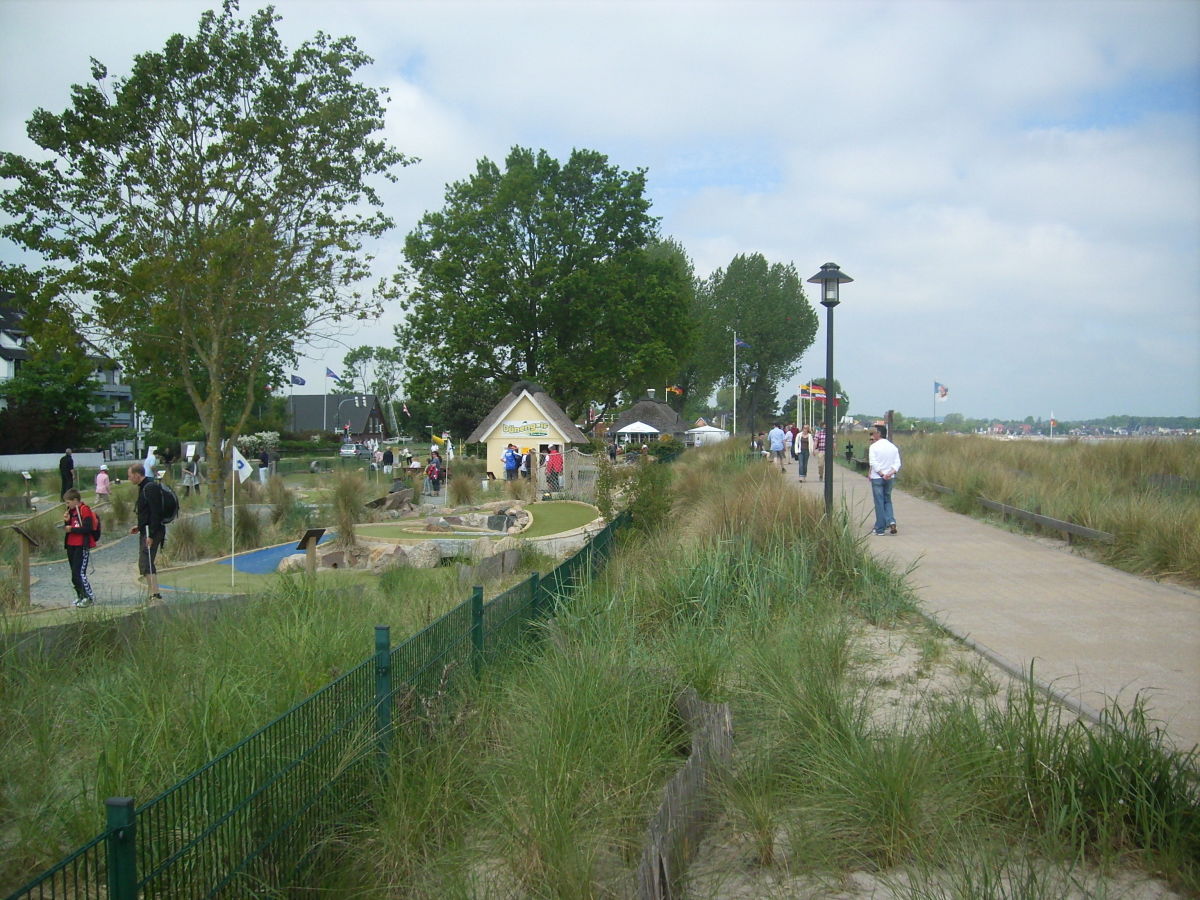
(656, 413)
(552, 412)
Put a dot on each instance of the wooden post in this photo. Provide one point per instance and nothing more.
(308, 544)
(26, 542)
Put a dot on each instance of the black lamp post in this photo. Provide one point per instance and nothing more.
(829, 278)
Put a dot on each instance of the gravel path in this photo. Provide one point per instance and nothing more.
(113, 574)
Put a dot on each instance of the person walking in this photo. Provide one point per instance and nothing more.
(819, 449)
(66, 472)
(389, 459)
(777, 439)
(884, 458)
(803, 448)
(554, 469)
(81, 526)
(103, 485)
(264, 466)
(149, 510)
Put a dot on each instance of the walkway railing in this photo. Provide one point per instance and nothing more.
(247, 822)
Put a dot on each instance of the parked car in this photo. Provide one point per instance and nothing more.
(355, 451)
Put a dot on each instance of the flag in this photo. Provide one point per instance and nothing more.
(296, 379)
(940, 391)
(738, 342)
(329, 373)
(404, 406)
(240, 466)
(674, 390)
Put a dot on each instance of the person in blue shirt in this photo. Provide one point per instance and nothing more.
(512, 462)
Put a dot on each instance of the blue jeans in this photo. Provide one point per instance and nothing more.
(881, 493)
(803, 463)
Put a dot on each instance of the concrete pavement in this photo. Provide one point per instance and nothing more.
(1093, 633)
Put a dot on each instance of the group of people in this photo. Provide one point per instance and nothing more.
(81, 525)
(518, 463)
(800, 443)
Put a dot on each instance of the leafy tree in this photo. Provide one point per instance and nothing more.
(765, 306)
(209, 209)
(48, 406)
(378, 370)
(544, 271)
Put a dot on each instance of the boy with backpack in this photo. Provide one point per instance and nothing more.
(82, 528)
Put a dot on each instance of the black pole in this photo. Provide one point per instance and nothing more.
(829, 404)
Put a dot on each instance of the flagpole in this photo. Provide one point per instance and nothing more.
(325, 405)
(233, 529)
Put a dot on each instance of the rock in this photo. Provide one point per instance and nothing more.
(423, 555)
(293, 563)
(334, 560)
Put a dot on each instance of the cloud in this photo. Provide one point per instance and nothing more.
(1012, 184)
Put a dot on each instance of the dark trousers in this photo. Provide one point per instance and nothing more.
(77, 559)
(803, 463)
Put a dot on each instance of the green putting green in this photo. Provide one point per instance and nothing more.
(551, 517)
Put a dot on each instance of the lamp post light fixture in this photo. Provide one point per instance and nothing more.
(829, 278)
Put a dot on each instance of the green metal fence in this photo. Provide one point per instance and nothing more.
(247, 822)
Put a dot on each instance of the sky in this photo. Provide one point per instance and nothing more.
(1013, 186)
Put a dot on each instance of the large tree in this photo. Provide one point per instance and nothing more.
(209, 209)
(47, 405)
(545, 271)
(765, 306)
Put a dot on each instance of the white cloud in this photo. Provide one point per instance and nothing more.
(1013, 185)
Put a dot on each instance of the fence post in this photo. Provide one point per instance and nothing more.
(535, 596)
(122, 848)
(383, 692)
(477, 628)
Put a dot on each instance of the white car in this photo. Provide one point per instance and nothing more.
(355, 451)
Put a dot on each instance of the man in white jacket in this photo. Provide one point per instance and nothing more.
(884, 458)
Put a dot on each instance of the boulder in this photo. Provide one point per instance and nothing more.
(293, 563)
(423, 555)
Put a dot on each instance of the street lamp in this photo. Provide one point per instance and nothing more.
(829, 278)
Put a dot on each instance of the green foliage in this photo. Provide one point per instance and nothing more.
(765, 305)
(48, 406)
(667, 448)
(213, 205)
(650, 496)
(556, 264)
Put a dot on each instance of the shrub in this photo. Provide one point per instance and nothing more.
(462, 489)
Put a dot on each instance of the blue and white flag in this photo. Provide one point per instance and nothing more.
(940, 391)
(296, 379)
(240, 466)
(329, 373)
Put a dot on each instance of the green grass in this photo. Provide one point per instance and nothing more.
(760, 606)
(538, 778)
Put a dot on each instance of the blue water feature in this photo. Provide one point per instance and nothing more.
(266, 560)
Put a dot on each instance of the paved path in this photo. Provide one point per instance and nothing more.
(1092, 632)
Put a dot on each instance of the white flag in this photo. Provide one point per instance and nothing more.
(240, 465)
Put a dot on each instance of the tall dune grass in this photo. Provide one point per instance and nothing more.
(547, 775)
(1144, 492)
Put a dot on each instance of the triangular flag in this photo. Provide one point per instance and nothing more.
(240, 466)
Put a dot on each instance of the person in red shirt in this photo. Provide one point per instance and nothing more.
(554, 469)
(80, 524)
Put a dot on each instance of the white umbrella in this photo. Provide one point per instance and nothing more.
(637, 428)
